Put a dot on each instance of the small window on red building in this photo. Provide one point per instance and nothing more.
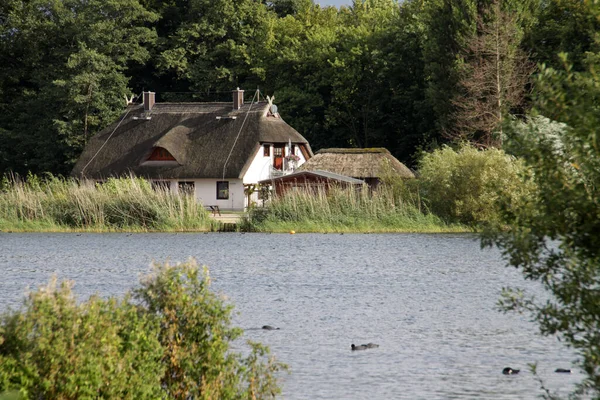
(267, 150)
(160, 154)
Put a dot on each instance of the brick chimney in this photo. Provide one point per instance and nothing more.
(149, 100)
(238, 99)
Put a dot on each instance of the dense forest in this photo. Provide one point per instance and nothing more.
(402, 75)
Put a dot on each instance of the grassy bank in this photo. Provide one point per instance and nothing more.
(128, 204)
(131, 205)
(348, 210)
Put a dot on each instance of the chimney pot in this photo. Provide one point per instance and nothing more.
(149, 100)
(238, 99)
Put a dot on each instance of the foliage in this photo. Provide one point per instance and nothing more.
(169, 339)
(555, 236)
(127, 203)
(447, 23)
(390, 208)
(563, 26)
(464, 185)
(218, 44)
(62, 75)
(381, 73)
(455, 26)
(493, 77)
(56, 348)
(195, 333)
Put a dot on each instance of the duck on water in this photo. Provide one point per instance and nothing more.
(363, 346)
(269, 328)
(510, 371)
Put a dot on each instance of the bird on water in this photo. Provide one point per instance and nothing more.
(269, 328)
(364, 346)
(510, 371)
(562, 371)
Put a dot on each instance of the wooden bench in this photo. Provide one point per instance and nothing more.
(215, 210)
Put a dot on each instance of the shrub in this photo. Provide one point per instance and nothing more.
(465, 185)
(170, 338)
(56, 348)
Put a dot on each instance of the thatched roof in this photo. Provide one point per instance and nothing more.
(199, 141)
(324, 175)
(358, 163)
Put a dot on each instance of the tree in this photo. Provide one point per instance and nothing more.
(493, 79)
(62, 75)
(406, 121)
(298, 71)
(447, 24)
(356, 75)
(450, 25)
(563, 26)
(218, 45)
(554, 237)
(288, 7)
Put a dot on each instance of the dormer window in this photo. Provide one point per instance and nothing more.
(161, 154)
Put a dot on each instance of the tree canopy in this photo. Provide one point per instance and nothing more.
(376, 73)
(379, 73)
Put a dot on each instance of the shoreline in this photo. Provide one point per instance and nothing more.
(279, 230)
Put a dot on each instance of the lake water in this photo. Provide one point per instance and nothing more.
(429, 301)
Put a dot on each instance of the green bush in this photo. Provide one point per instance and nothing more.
(464, 186)
(170, 338)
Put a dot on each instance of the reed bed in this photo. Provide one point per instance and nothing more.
(118, 204)
(390, 208)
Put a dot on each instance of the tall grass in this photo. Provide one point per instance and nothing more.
(390, 208)
(118, 204)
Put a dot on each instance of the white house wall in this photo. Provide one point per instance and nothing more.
(260, 168)
(205, 191)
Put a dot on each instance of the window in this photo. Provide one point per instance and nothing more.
(186, 188)
(267, 150)
(222, 190)
(293, 149)
(278, 151)
(160, 154)
(161, 186)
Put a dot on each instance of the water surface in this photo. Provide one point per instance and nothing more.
(429, 301)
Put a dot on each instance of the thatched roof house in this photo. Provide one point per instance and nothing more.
(369, 165)
(310, 180)
(214, 149)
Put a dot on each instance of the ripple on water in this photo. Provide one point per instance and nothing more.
(428, 300)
